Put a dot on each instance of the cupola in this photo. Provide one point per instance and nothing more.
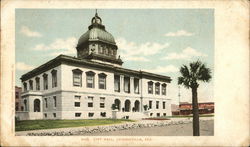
(97, 44)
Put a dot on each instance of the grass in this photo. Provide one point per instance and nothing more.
(26, 125)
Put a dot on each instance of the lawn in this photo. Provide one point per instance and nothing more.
(26, 125)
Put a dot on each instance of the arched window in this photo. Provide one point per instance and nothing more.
(37, 83)
(25, 86)
(31, 84)
(37, 105)
(45, 81)
(77, 77)
(137, 106)
(102, 80)
(150, 87)
(90, 78)
(127, 106)
(25, 105)
(157, 88)
(118, 104)
(54, 78)
(164, 89)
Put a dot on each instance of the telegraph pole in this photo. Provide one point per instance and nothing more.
(179, 94)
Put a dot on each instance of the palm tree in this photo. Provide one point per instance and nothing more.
(189, 78)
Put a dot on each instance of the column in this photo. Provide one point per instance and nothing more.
(132, 85)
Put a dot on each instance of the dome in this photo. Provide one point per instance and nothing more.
(96, 34)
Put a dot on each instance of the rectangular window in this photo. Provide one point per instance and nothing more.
(78, 114)
(31, 84)
(54, 78)
(158, 114)
(45, 115)
(102, 81)
(45, 81)
(157, 88)
(102, 102)
(164, 105)
(90, 101)
(90, 81)
(91, 114)
(37, 83)
(150, 104)
(77, 79)
(164, 91)
(77, 104)
(117, 83)
(157, 104)
(136, 86)
(54, 97)
(103, 114)
(150, 87)
(127, 84)
(54, 114)
(164, 114)
(46, 102)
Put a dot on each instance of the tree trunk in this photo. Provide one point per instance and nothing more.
(196, 125)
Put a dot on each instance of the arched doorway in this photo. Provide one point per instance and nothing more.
(127, 106)
(118, 104)
(37, 105)
(137, 106)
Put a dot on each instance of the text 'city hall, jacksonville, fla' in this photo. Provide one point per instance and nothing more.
(93, 85)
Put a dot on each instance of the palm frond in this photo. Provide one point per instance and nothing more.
(204, 73)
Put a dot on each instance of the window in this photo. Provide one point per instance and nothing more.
(136, 86)
(17, 105)
(54, 114)
(90, 101)
(37, 83)
(46, 102)
(158, 114)
(164, 114)
(31, 84)
(163, 105)
(54, 97)
(103, 114)
(117, 83)
(78, 114)
(25, 105)
(102, 81)
(45, 81)
(164, 89)
(157, 88)
(157, 104)
(91, 114)
(151, 114)
(150, 87)
(150, 105)
(77, 101)
(54, 78)
(77, 104)
(45, 115)
(25, 86)
(17, 95)
(77, 77)
(102, 102)
(127, 84)
(90, 79)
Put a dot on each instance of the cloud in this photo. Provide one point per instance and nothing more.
(163, 69)
(23, 67)
(132, 51)
(179, 33)
(59, 46)
(27, 32)
(186, 54)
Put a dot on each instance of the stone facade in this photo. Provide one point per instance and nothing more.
(93, 85)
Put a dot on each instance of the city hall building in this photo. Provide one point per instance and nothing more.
(93, 85)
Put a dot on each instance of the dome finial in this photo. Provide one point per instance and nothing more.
(96, 14)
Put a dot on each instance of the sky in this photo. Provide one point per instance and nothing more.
(154, 40)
